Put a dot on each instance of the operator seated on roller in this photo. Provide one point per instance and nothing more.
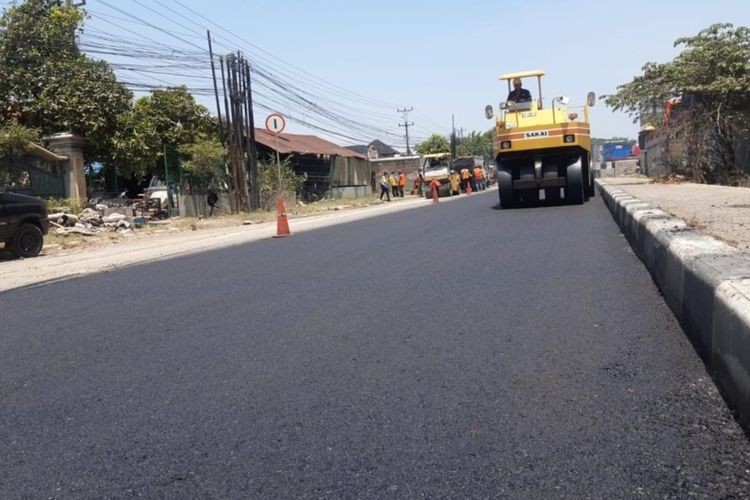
(518, 94)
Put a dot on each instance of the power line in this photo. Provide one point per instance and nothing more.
(150, 25)
(307, 74)
(281, 85)
(341, 118)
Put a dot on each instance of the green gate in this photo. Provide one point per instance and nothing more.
(33, 177)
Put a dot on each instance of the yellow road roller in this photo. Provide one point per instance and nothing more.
(541, 152)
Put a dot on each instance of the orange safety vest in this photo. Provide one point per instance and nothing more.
(478, 173)
(402, 180)
(465, 173)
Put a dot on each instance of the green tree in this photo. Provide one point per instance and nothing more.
(14, 140)
(166, 118)
(268, 180)
(49, 84)
(436, 143)
(205, 164)
(476, 144)
(174, 115)
(712, 76)
(134, 147)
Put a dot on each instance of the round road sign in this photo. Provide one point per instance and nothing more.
(275, 123)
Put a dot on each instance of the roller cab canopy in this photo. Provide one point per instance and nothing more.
(536, 73)
(522, 74)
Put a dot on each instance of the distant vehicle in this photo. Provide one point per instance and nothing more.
(616, 151)
(542, 148)
(157, 189)
(23, 224)
(438, 167)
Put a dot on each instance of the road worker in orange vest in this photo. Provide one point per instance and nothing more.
(465, 179)
(401, 183)
(478, 179)
(393, 180)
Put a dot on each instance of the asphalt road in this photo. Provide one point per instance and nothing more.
(452, 351)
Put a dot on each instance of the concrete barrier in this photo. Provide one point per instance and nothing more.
(704, 281)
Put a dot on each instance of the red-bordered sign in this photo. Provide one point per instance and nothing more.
(275, 123)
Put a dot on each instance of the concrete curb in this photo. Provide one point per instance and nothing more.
(704, 281)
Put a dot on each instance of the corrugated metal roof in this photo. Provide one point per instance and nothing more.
(302, 144)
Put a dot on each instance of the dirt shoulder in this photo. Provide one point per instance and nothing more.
(56, 244)
(721, 211)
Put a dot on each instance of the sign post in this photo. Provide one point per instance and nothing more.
(275, 123)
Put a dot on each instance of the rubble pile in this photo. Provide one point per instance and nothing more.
(90, 222)
(150, 209)
(102, 218)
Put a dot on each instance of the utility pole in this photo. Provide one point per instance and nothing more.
(251, 147)
(238, 119)
(216, 87)
(453, 138)
(405, 113)
(229, 139)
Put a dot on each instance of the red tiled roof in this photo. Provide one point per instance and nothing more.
(302, 144)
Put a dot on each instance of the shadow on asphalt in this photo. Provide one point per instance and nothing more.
(541, 204)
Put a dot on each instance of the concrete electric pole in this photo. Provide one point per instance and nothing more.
(406, 125)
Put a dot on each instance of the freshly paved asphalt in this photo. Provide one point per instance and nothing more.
(453, 351)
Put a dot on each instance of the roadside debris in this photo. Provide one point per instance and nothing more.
(670, 179)
(101, 217)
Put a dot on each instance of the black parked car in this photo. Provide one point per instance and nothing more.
(23, 223)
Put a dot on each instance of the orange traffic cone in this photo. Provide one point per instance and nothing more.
(434, 185)
(282, 225)
(468, 188)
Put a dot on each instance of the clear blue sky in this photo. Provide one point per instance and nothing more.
(439, 57)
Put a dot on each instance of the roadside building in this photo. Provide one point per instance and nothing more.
(409, 165)
(328, 169)
(375, 150)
